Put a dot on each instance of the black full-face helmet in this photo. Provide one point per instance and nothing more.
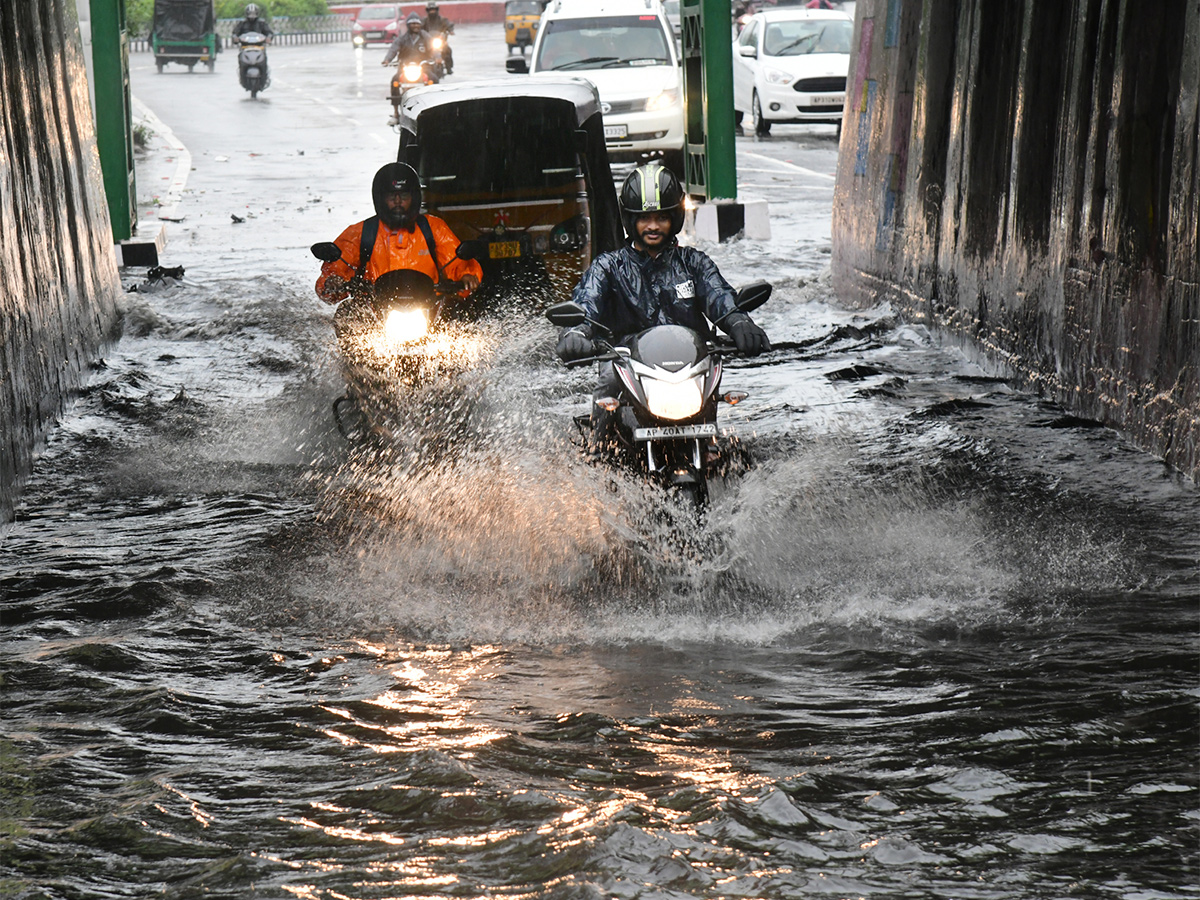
(396, 177)
(252, 11)
(651, 188)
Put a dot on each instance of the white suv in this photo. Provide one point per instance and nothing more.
(626, 48)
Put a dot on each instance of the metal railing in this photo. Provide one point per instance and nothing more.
(288, 30)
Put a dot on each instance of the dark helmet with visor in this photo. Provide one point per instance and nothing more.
(396, 178)
(252, 11)
(651, 188)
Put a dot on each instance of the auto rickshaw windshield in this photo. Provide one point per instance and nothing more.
(523, 8)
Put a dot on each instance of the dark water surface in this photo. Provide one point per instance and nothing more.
(940, 641)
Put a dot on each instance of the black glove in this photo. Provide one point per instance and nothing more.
(573, 345)
(750, 339)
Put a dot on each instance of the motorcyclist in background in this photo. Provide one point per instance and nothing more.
(403, 238)
(410, 45)
(436, 24)
(652, 281)
(253, 20)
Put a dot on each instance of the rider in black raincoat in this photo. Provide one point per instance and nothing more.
(653, 281)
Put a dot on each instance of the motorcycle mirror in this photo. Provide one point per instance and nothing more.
(517, 66)
(471, 250)
(566, 314)
(753, 295)
(327, 251)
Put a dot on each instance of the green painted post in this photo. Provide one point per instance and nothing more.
(114, 117)
(708, 98)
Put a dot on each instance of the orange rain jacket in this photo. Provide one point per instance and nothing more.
(397, 249)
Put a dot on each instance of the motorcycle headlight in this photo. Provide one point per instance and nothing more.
(662, 100)
(680, 400)
(403, 326)
(437, 43)
(412, 72)
(776, 76)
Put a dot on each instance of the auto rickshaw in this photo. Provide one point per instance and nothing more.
(521, 19)
(184, 32)
(520, 172)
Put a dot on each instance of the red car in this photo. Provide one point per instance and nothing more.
(376, 23)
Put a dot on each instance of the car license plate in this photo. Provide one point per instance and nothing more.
(620, 132)
(374, 34)
(504, 249)
(708, 429)
(829, 100)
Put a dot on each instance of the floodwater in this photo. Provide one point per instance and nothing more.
(940, 640)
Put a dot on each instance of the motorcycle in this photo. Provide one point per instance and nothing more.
(252, 62)
(413, 74)
(663, 421)
(393, 333)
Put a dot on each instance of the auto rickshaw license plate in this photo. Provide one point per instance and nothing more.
(504, 249)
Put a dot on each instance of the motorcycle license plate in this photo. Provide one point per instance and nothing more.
(829, 100)
(709, 429)
(619, 132)
(504, 249)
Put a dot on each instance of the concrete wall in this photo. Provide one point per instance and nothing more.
(58, 276)
(1025, 177)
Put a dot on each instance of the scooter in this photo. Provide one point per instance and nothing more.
(392, 333)
(252, 62)
(663, 420)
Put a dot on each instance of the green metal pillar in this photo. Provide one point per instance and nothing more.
(708, 99)
(114, 114)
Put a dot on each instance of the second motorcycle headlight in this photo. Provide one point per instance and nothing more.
(403, 326)
(681, 400)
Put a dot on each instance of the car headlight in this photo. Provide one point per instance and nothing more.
(776, 76)
(663, 100)
(403, 326)
(680, 400)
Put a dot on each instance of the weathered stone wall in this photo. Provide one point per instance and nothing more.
(1025, 177)
(58, 276)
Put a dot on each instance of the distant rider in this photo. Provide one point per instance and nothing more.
(404, 239)
(653, 281)
(412, 44)
(253, 20)
(436, 24)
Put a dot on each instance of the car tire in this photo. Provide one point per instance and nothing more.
(762, 127)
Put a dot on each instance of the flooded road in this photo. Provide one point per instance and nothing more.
(939, 642)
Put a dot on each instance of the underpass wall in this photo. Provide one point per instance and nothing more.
(58, 277)
(1024, 178)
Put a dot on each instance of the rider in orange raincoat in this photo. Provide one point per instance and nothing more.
(402, 240)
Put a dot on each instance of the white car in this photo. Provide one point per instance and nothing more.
(790, 65)
(627, 50)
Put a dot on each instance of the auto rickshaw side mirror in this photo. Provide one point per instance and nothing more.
(472, 250)
(517, 66)
(566, 314)
(753, 295)
(326, 251)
